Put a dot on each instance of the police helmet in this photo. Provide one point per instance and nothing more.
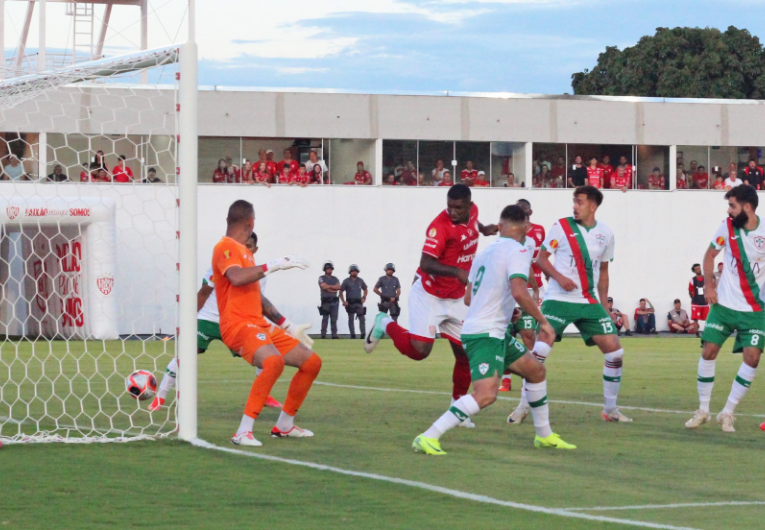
(328, 264)
(390, 266)
(353, 267)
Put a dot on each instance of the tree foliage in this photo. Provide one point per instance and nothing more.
(680, 63)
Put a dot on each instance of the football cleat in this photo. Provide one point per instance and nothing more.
(429, 446)
(552, 442)
(375, 334)
(615, 415)
(507, 385)
(271, 402)
(294, 432)
(245, 439)
(726, 419)
(700, 417)
(156, 404)
(519, 414)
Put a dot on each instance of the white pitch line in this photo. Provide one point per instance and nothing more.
(663, 506)
(438, 489)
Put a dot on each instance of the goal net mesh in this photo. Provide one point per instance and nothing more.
(88, 248)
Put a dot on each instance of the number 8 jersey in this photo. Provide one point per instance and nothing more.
(579, 252)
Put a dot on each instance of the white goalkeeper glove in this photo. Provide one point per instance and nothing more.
(299, 332)
(287, 262)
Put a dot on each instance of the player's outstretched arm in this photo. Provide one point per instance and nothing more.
(431, 265)
(708, 266)
(239, 276)
(603, 285)
(202, 295)
(522, 297)
(488, 230)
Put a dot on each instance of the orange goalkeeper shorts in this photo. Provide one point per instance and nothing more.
(249, 338)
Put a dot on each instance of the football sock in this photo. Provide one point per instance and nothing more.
(285, 422)
(460, 376)
(506, 377)
(245, 425)
(168, 380)
(540, 352)
(385, 321)
(301, 384)
(273, 367)
(460, 410)
(540, 410)
(402, 340)
(612, 378)
(706, 382)
(740, 387)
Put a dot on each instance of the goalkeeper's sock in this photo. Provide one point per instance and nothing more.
(245, 425)
(273, 367)
(168, 380)
(285, 422)
(740, 387)
(540, 410)
(460, 410)
(300, 385)
(402, 340)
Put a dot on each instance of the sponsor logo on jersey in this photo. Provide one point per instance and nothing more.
(500, 359)
(471, 244)
(601, 239)
(470, 232)
(712, 325)
(759, 242)
(261, 336)
(554, 243)
(466, 259)
(720, 241)
(483, 368)
(105, 284)
(12, 211)
(432, 232)
(559, 319)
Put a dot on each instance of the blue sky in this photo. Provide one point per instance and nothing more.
(527, 46)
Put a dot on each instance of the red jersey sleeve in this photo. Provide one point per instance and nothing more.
(435, 240)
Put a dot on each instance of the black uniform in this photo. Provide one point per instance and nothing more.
(329, 305)
(353, 289)
(389, 286)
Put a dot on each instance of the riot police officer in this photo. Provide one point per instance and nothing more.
(388, 288)
(329, 286)
(355, 291)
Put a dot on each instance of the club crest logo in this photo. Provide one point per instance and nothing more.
(261, 336)
(105, 284)
(432, 232)
(601, 239)
(554, 243)
(470, 232)
(720, 241)
(483, 368)
(759, 242)
(12, 211)
(227, 254)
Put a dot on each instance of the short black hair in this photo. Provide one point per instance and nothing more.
(695, 265)
(459, 192)
(643, 300)
(239, 211)
(152, 170)
(677, 301)
(122, 157)
(593, 194)
(744, 194)
(513, 213)
(254, 238)
(524, 201)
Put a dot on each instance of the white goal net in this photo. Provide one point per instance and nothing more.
(88, 248)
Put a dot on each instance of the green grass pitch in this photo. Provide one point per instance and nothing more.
(653, 461)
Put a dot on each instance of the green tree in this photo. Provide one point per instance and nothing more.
(680, 63)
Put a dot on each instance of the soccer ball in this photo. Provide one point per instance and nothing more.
(141, 385)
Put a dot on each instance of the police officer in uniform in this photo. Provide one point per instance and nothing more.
(355, 291)
(388, 288)
(329, 286)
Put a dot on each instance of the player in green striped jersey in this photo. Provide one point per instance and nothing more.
(736, 303)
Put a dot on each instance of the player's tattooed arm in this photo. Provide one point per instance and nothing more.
(710, 288)
(488, 230)
(269, 311)
(432, 266)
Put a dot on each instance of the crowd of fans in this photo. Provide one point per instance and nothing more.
(267, 171)
(96, 171)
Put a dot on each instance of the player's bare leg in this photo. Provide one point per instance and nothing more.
(308, 365)
(528, 337)
(612, 376)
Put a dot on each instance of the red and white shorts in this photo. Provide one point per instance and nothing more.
(699, 312)
(429, 314)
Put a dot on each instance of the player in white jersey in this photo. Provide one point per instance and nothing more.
(583, 248)
(208, 329)
(498, 279)
(736, 303)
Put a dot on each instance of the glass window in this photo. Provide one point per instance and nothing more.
(548, 166)
(352, 161)
(653, 167)
(435, 161)
(400, 159)
(693, 167)
(725, 160)
(608, 157)
(217, 156)
(508, 164)
(273, 152)
(18, 155)
(473, 163)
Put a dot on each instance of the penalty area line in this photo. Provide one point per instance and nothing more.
(561, 512)
(665, 506)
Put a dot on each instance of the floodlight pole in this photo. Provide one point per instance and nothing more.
(187, 176)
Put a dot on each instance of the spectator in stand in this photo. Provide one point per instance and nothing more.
(594, 173)
(101, 175)
(619, 319)
(317, 175)
(621, 178)
(645, 319)
(753, 174)
(98, 159)
(699, 305)
(656, 180)
(447, 180)
(718, 273)
(388, 288)
(678, 320)
(694, 167)
(682, 179)
(300, 178)
(246, 174)
(151, 176)
(285, 177)
(700, 178)
(121, 172)
(14, 170)
(262, 175)
(608, 170)
(390, 180)
(85, 175)
(578, 174)
(271, 165)
(480, 180)
(313, 159)
(468, 175)
(437, 174)
(421, 180)
(288, 161)
(363, 177)
(718, 184)
(510, 183)
(543, 180)
(58, 174)
(221, 173)
(558, 171)
(542, 162)
(409, 174)
(732, 179)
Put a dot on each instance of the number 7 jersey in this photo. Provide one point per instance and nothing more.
(744, 269)
(579, 252)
